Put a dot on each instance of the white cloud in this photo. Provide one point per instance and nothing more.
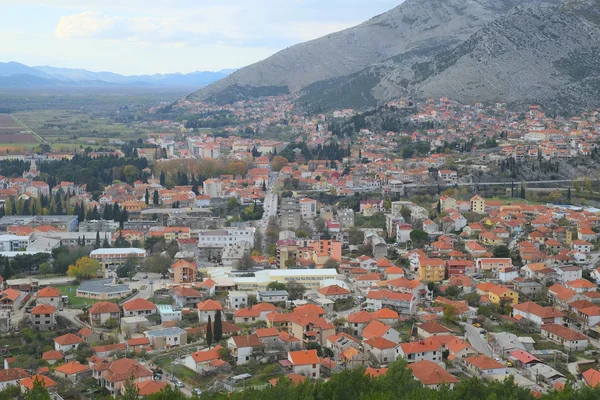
(86, 24)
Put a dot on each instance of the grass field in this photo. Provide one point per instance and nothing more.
(71, 290)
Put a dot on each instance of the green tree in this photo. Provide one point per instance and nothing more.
(155, 198)
(209, 332)
(295, 290)
(37, 392)
(419, 237)
(147, 197)
(501, 251)
(218, 327)
(131, 390)
(45, 268)
(276, 286)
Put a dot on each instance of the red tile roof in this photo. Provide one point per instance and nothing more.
(304, 357)
(103, 307)
(68, 339)
(431, 373)
(138, 305)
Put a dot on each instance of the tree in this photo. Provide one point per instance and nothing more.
(131, 173)
(131, 390)
(419, 237)
(218, 327)
(45, 268)
(569, 195)
(331, 263)
(155, 199)
(295, 290)
(209, 333)
(159, 264)
(523, 195)
(278, 163)
(147, 197)
(84, 268)
(501, 251)
(276, 286)
(246, 263)
(163, 179)
(37, 392)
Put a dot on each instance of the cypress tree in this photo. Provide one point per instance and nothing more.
(155, 198)
(218, 331)
(209, 333)
(97, 245)
(147, 197)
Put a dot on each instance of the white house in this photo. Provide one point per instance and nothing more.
(68, 342)
(237, 299)
(208, 308)
(244, 348)
(305, 362)
(537, 314)
(482, 365)
(204, 360)
(419, 351)
(570, 339)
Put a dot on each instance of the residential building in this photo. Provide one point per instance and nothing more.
(139, 307)
(570, 339)
(161, 339)
(244, 348)
(208, 308)
(103, 311)
(305, 362)
(432, 374)
(43, 317)
(114, 375)
(67, 343)
(50, 296)
(237, 299)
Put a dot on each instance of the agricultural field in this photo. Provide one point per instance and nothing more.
(66, 130)
(13, 135)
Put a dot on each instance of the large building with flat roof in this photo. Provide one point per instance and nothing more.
(66, 223)
(311, 278)
(114, 257)
(102, 289)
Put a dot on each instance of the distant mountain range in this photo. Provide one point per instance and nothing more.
(14, 74)
(514, 51)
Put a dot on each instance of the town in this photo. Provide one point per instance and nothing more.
(254, 245)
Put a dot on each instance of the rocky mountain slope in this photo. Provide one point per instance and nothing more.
(515, 51)
(534, 54)
(415, 30)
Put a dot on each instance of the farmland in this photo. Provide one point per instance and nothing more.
(13, 135)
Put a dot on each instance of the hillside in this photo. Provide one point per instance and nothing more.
(415, 30)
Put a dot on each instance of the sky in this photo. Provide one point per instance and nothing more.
(165, 36)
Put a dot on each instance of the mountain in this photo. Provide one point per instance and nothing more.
(533, 54)
(15, 68)
(516, 51)
(13, 74)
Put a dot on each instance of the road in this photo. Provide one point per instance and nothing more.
(474, 337)
(145, 289)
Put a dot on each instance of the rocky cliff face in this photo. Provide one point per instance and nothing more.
(422, 27)
(516, 51)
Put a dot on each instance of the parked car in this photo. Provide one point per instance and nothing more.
(197, 391)
(179, 384)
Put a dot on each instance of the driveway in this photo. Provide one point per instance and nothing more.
(474, 337)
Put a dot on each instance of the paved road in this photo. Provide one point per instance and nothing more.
(474, 337)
